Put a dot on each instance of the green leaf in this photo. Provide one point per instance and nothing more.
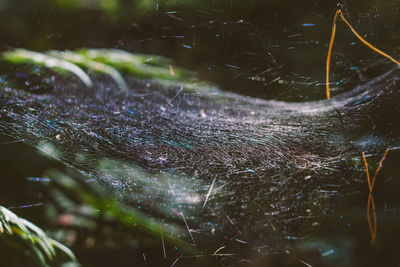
(39, 242)
(19, 56)
(92, 65)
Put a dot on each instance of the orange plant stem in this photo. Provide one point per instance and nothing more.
(371, 204)
(367, 171)
(367, 43)
(379, 168)
(328, 59)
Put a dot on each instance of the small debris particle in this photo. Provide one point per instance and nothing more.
(327, 253)
(202, 113)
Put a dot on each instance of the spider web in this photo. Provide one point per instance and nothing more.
(258, 172)
(238, 171)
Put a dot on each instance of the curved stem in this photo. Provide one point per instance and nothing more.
(328, 59)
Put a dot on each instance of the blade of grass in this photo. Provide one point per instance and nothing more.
(39, 242)
(85, 62)
(63, 248)
(20, 56)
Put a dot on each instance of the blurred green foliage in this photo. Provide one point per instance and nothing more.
(109, 62)
(41, 246)
(78, 211)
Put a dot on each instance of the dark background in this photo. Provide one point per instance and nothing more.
(268, 49)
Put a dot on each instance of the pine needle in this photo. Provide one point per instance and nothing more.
(371, 202)
(328, 60)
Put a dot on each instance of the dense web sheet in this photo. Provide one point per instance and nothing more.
(223, 165)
